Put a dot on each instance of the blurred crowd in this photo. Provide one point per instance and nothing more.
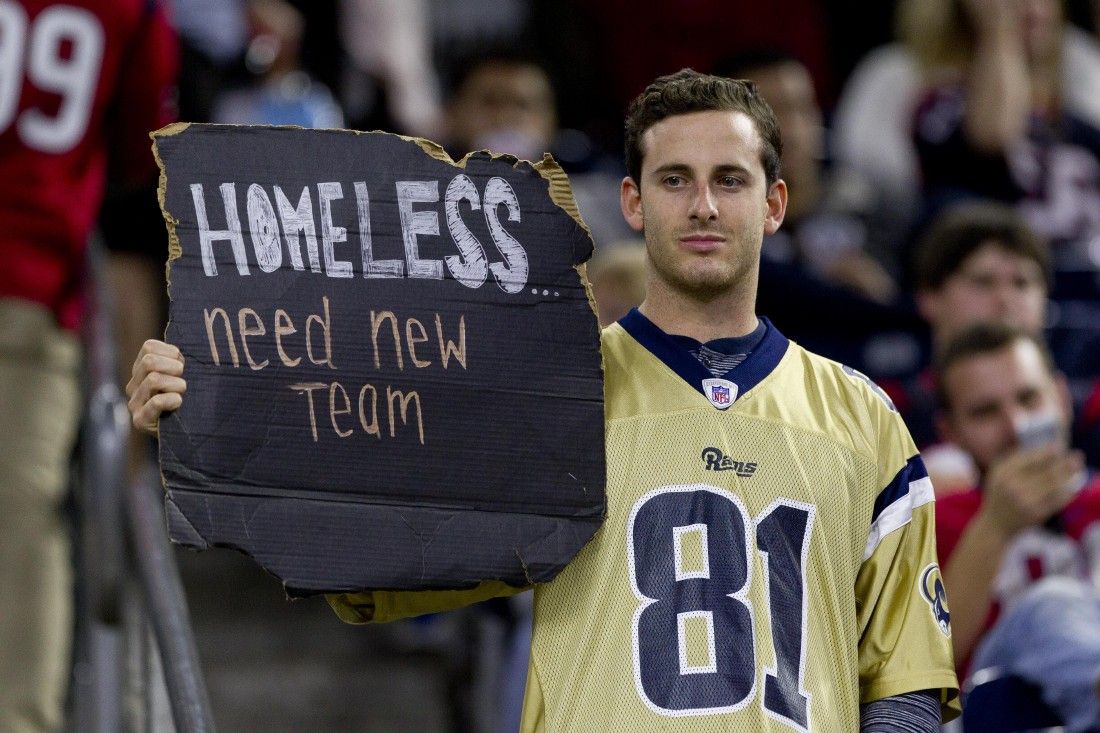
(943, 159)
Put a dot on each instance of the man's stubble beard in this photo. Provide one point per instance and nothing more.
(699, 280)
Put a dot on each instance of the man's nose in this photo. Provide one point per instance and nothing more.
(703, 205)
(1016, 420)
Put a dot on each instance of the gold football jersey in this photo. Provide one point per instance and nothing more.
(768, 560)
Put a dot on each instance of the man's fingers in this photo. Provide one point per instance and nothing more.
(157, 383)
(148, 415)
(155, 348)
(149, 364)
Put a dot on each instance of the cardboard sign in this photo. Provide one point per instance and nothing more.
(393, 366)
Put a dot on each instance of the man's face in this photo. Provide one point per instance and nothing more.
(992, 396)
(991, 285)
(703, 203)
(508, 108)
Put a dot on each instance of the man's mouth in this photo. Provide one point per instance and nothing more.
(702, 242)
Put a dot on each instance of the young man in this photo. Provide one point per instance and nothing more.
(768, 559)
(1035, 517)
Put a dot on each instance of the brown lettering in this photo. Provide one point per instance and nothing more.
(209, 316)
(375, 324)
(370, 427)
(326, 328)
(404, 399)
(308, 388)
(280, 331)
(333, 412)
(445, 350)
(413, 341)
(259, 330)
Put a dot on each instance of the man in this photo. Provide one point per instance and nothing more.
(84, 83)
(976, 263)
(504, 100)
(981, 262)
(767, 560)
(1034, 517)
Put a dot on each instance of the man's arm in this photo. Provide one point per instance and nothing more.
(913, 712)
(1020, 491)
(998, 88)
(382, 606)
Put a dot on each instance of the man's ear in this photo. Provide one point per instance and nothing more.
(630, 199)
(777, 207)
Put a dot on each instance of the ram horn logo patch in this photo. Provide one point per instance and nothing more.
(931, 587)
(720, 392)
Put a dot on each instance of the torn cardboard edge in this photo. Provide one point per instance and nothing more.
(330, 555)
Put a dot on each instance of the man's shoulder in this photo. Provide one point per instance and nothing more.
(849, 384)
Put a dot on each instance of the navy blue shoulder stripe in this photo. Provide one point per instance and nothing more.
(913, 470)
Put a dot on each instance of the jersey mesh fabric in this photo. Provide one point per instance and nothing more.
(593, 651)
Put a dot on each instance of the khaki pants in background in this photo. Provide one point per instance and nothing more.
(40, 405)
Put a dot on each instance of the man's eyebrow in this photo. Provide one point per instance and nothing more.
(683, 168)
(728, 168)
(672, 168)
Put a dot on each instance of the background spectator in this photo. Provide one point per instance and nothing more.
(1034, 517)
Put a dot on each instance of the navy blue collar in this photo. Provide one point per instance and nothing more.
(759, 363)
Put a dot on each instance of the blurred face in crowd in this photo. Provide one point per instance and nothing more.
(991, 285)
(703, 203)
(789, 91)
(991, 396)
(505, 107)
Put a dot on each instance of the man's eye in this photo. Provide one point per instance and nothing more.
(674, 181)
(729, 181)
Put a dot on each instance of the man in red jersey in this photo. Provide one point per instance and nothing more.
(1021, 553)
(82, 83)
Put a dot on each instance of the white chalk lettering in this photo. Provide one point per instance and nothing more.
(264, 229)
(208, 236)
(471, 268)
(418, 223)
(371, 266)
(299, 220)
(330, 233)
(511, 275)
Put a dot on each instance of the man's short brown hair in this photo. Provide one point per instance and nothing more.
(981, 339)
(965, 228)
(689, 91)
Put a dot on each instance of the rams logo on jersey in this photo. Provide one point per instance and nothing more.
(931, 587)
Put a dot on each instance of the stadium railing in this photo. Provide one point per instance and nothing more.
(136, 667)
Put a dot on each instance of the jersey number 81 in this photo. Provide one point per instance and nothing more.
(708, 593)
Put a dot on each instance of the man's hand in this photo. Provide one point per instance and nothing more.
(156, 384)
(1028, 486)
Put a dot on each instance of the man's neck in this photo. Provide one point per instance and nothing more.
(723, 317)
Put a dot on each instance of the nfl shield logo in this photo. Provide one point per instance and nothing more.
(720, 392)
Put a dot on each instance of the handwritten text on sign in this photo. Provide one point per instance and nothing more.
(364, 321)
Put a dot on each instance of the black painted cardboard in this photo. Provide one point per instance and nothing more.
(503, 476)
